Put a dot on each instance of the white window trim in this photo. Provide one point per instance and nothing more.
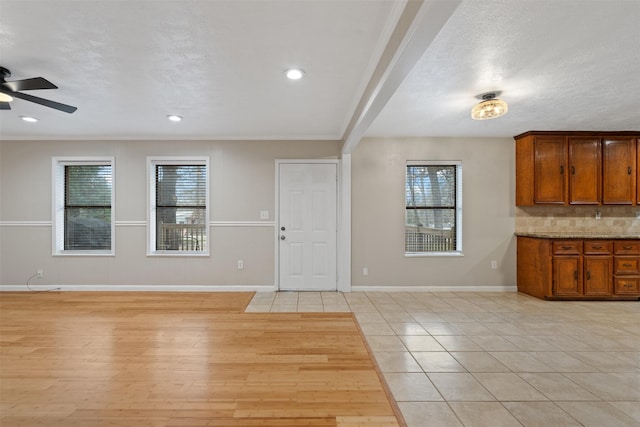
(151, 204)
(57, 174)
(458, 252)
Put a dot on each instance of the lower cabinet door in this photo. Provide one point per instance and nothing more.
(567, 275)
(598, 275)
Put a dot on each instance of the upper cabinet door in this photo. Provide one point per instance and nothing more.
(550, 169)
(619, 171)
(585, 170)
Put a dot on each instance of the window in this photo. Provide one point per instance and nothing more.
(178, 215)
(433, 208)
(83, 206)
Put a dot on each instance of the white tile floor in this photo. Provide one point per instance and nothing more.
(494, 359)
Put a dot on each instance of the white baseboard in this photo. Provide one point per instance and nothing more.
(141, 288)
(434, 289)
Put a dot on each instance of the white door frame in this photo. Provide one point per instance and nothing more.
(343, 252)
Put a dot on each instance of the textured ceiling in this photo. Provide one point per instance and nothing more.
(571, 65)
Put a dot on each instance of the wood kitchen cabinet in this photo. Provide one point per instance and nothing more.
(577, 168)
(567, 275)
(551, 268)
(627, 268)
(619, 171)
(582, 268)
(550, 167)
(585, 170)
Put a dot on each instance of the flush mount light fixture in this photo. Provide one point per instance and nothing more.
(174, 118)
(5, 97)
(294, 73)
(29, 119)
(489, 108)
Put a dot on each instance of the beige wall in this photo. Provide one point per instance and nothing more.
(242, 184)
(378, 179)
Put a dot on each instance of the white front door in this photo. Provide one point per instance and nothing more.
(307, 225)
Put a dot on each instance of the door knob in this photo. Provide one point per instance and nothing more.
(282, 237)
(282, 228)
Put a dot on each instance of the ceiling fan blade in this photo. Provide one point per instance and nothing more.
(5, 106)
(46, 102)
(30, 84)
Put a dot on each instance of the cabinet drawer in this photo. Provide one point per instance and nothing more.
(627, 286)
(623, 247)
(592, 247)
(567, 247)
(626, 265)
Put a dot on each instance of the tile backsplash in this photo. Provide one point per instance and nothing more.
(579, 219)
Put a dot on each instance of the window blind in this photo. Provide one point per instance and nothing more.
(181, 197)
(430, 208)
(87, 207)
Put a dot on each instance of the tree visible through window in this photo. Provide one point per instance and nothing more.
(431, 211)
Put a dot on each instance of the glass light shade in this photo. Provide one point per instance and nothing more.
(5, 98)
(489, 109)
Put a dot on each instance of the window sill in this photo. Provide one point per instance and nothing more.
(84, 253)
(178, 254)
(432, 254)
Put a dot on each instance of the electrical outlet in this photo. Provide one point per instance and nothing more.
(598, 214)
(637, 214)
(240, 264)
(39, 272)
(494, 264)
(264, 214)
(365, 271)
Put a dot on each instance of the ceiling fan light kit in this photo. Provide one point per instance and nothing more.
(489, 108)
(12, 89)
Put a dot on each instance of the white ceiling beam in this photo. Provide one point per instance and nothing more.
(418, 26)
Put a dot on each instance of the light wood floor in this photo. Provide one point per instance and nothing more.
(182, 359)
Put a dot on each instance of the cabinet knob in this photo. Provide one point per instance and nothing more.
(627, 248)
(626, 265)
(575, 275)
(628, 170)
(588, 275)
(573, 170)
(561, 169)
(597, 247)
(566, 248)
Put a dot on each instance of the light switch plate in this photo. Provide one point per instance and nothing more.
(264, 214)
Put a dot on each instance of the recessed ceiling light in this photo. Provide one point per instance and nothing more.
(29, 119)
(174, 118)
(294, 73)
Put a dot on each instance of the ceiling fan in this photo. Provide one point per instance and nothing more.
(10, 90)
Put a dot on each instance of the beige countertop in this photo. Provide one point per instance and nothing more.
(575, 235)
